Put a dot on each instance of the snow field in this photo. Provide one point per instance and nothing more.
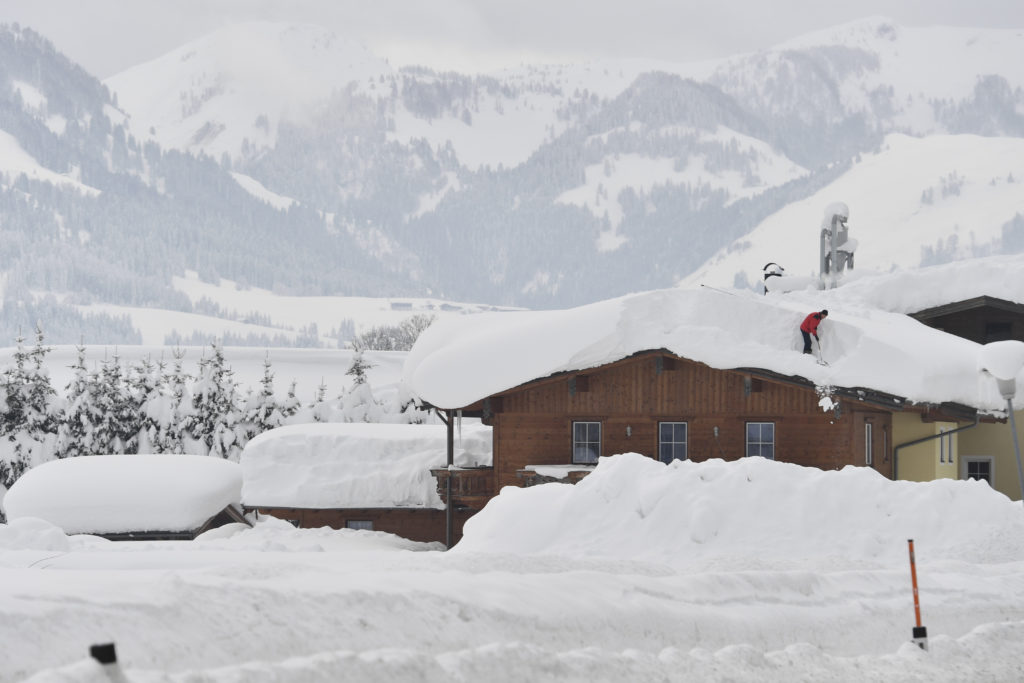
(664, 595)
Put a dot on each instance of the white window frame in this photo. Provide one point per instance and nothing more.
(967, 460)
(869, 444)
(760, 443)
(359, 524)
(674, 445)
(587, 443)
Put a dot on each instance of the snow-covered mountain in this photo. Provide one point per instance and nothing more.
(233, 89)
(283, 158)
(914, 201)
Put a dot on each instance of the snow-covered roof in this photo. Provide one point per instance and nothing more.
(355, 465)
(108, 494)
(917, 289)
(457, 362)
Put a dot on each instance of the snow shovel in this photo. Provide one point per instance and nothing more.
(821, 361)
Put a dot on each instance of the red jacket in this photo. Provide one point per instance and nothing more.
(810, 324)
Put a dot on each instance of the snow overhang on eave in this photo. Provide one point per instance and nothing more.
(933, 411)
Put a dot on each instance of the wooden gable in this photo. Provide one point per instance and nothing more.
(629, 398)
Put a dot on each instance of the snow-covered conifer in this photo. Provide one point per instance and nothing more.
(74, 434)
(214, 409)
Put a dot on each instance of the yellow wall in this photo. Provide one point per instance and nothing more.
(996, 440)
(921, 462)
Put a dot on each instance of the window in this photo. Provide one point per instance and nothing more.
(671, 441)
(977, 467)
(945, 446)
(869, 455)
(761, 439)
(363, 524)
(586, 442)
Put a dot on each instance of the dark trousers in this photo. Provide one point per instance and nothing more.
(807, 341)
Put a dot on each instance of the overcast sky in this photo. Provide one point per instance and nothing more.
(107, 36)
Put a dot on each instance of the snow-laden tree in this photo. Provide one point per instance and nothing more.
(320, 409)
(261, 411)
(291, 405)
(75, 432)
(31, 411)
(214, 409)
(357, 403)
(153, 401)
(171, 437)
(117, 430)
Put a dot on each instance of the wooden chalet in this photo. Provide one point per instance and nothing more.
(666, 407)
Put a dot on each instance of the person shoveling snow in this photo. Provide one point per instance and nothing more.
(809, 328)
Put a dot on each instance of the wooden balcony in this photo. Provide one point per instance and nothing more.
(472, 487)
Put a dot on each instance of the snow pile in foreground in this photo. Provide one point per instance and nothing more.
(121, 493)
(270, 534)
(332, 465)
(32, 533)
(748, 512)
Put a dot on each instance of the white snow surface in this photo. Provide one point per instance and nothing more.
(210, 94)
(452, 364)
(355, 465)
(282, 314)
(741, 571)
(119, 493)
(910, 290)
(953, 193)
(785, 515)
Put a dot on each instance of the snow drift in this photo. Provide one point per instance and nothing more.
(751, 512)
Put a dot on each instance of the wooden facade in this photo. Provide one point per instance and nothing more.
(533, 423)
(416, 524)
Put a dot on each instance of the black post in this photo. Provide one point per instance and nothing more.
(449, 531)
(104, 653)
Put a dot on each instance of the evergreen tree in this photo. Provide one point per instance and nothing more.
(357, 402)
(150, 400)
(170, 438)
(320, 409)
(291, 405)
(74, 435)
(214, 406)
(31, 411)
(261, 410)
(118, 428)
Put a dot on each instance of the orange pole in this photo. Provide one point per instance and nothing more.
(913, 579)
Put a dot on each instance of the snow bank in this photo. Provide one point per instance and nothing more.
(332, 465)
(270, 534)
(121, 493)
(748, 512)
(32, 533)
(452, 364)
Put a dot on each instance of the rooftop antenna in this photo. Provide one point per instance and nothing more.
(836, 246)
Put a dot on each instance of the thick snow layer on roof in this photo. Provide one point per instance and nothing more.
(355, 465)
(916, 289)
(752, 511)
(121, 493)
(457, 362)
